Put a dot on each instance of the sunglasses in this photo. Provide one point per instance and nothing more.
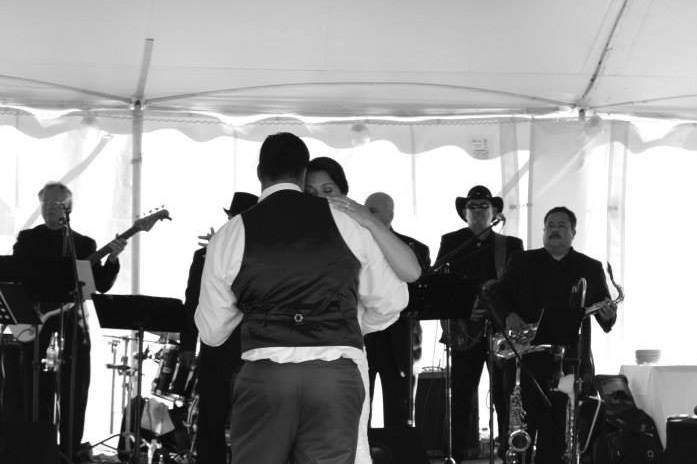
(474, 206)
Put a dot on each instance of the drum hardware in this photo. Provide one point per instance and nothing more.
(125, 371)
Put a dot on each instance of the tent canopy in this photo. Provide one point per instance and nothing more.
(319, 58)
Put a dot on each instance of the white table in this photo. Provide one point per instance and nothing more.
(663, 391)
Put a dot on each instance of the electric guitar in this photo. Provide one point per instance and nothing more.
(27, 333)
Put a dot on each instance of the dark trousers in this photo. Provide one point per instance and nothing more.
(304, 412)
(547, 422)
(395, 383)
(22, 409)
(467, 369)
(216, 369)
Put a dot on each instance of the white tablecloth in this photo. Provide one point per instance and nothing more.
(663, 391)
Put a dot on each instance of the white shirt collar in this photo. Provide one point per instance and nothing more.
(278, 187)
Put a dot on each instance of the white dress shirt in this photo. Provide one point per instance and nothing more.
(381, 294)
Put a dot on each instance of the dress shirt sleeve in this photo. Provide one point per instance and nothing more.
(382, 296)
(217, 314)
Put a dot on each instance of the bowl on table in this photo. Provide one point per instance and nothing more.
(647, 356)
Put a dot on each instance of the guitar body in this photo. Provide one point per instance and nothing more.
(26, 333)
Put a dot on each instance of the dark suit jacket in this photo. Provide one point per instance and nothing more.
(477, 260)
(230, 350)
(189, 332)
(398, 335)
(42, 242)
(534, 281)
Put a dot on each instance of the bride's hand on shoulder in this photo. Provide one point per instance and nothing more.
(360, 213)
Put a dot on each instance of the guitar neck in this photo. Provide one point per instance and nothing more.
(105, 250)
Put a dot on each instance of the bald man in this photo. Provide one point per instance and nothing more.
(388, 350)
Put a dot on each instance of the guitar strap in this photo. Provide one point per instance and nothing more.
(499, 254)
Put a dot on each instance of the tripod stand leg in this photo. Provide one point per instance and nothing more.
(448, 459)
(138, 400)
(35, 378)
(489, 330)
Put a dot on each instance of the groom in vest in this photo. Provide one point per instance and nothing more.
(293, 272)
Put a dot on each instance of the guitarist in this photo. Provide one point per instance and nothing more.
(49, 240)
(483, 260)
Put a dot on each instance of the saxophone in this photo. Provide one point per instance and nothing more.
(571, 384)
(518, 437)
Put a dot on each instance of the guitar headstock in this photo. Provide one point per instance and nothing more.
(146, 223)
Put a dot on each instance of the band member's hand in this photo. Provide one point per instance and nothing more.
(361, 214)
(204, 239)
(116, 246)
(416, 340)
(478, 314)
(186, 358)
(514, 322)
(608, 312)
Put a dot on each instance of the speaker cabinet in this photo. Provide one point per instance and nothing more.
(430, 413)
(396, 445)
(681, 440)
(28, 443)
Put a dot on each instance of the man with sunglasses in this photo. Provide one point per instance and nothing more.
(483, 259)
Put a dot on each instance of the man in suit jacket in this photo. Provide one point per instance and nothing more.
(391, 352)
(50, 240)
(483, 259)
(216, 365)
(543, 279)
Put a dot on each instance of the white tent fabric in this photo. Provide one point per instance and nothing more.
(317, 58)
(627, 182)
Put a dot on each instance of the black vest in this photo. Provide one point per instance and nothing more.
(298, 282)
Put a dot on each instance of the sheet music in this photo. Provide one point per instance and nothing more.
(85, 275)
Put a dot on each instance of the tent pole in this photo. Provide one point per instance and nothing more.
(136, 163)
(137, 160)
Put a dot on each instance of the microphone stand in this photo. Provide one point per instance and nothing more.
(77, 313)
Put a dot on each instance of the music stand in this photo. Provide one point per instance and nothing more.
(139, 313)
(444, 296)
(45, 279)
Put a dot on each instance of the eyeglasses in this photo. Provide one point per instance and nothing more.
(474, 206)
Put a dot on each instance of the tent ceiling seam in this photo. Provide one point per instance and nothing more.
(646, 100)
(603, 56)
(375, 83)
(67, 87)
(144, 69)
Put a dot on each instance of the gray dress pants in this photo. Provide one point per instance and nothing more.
(302, 413)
